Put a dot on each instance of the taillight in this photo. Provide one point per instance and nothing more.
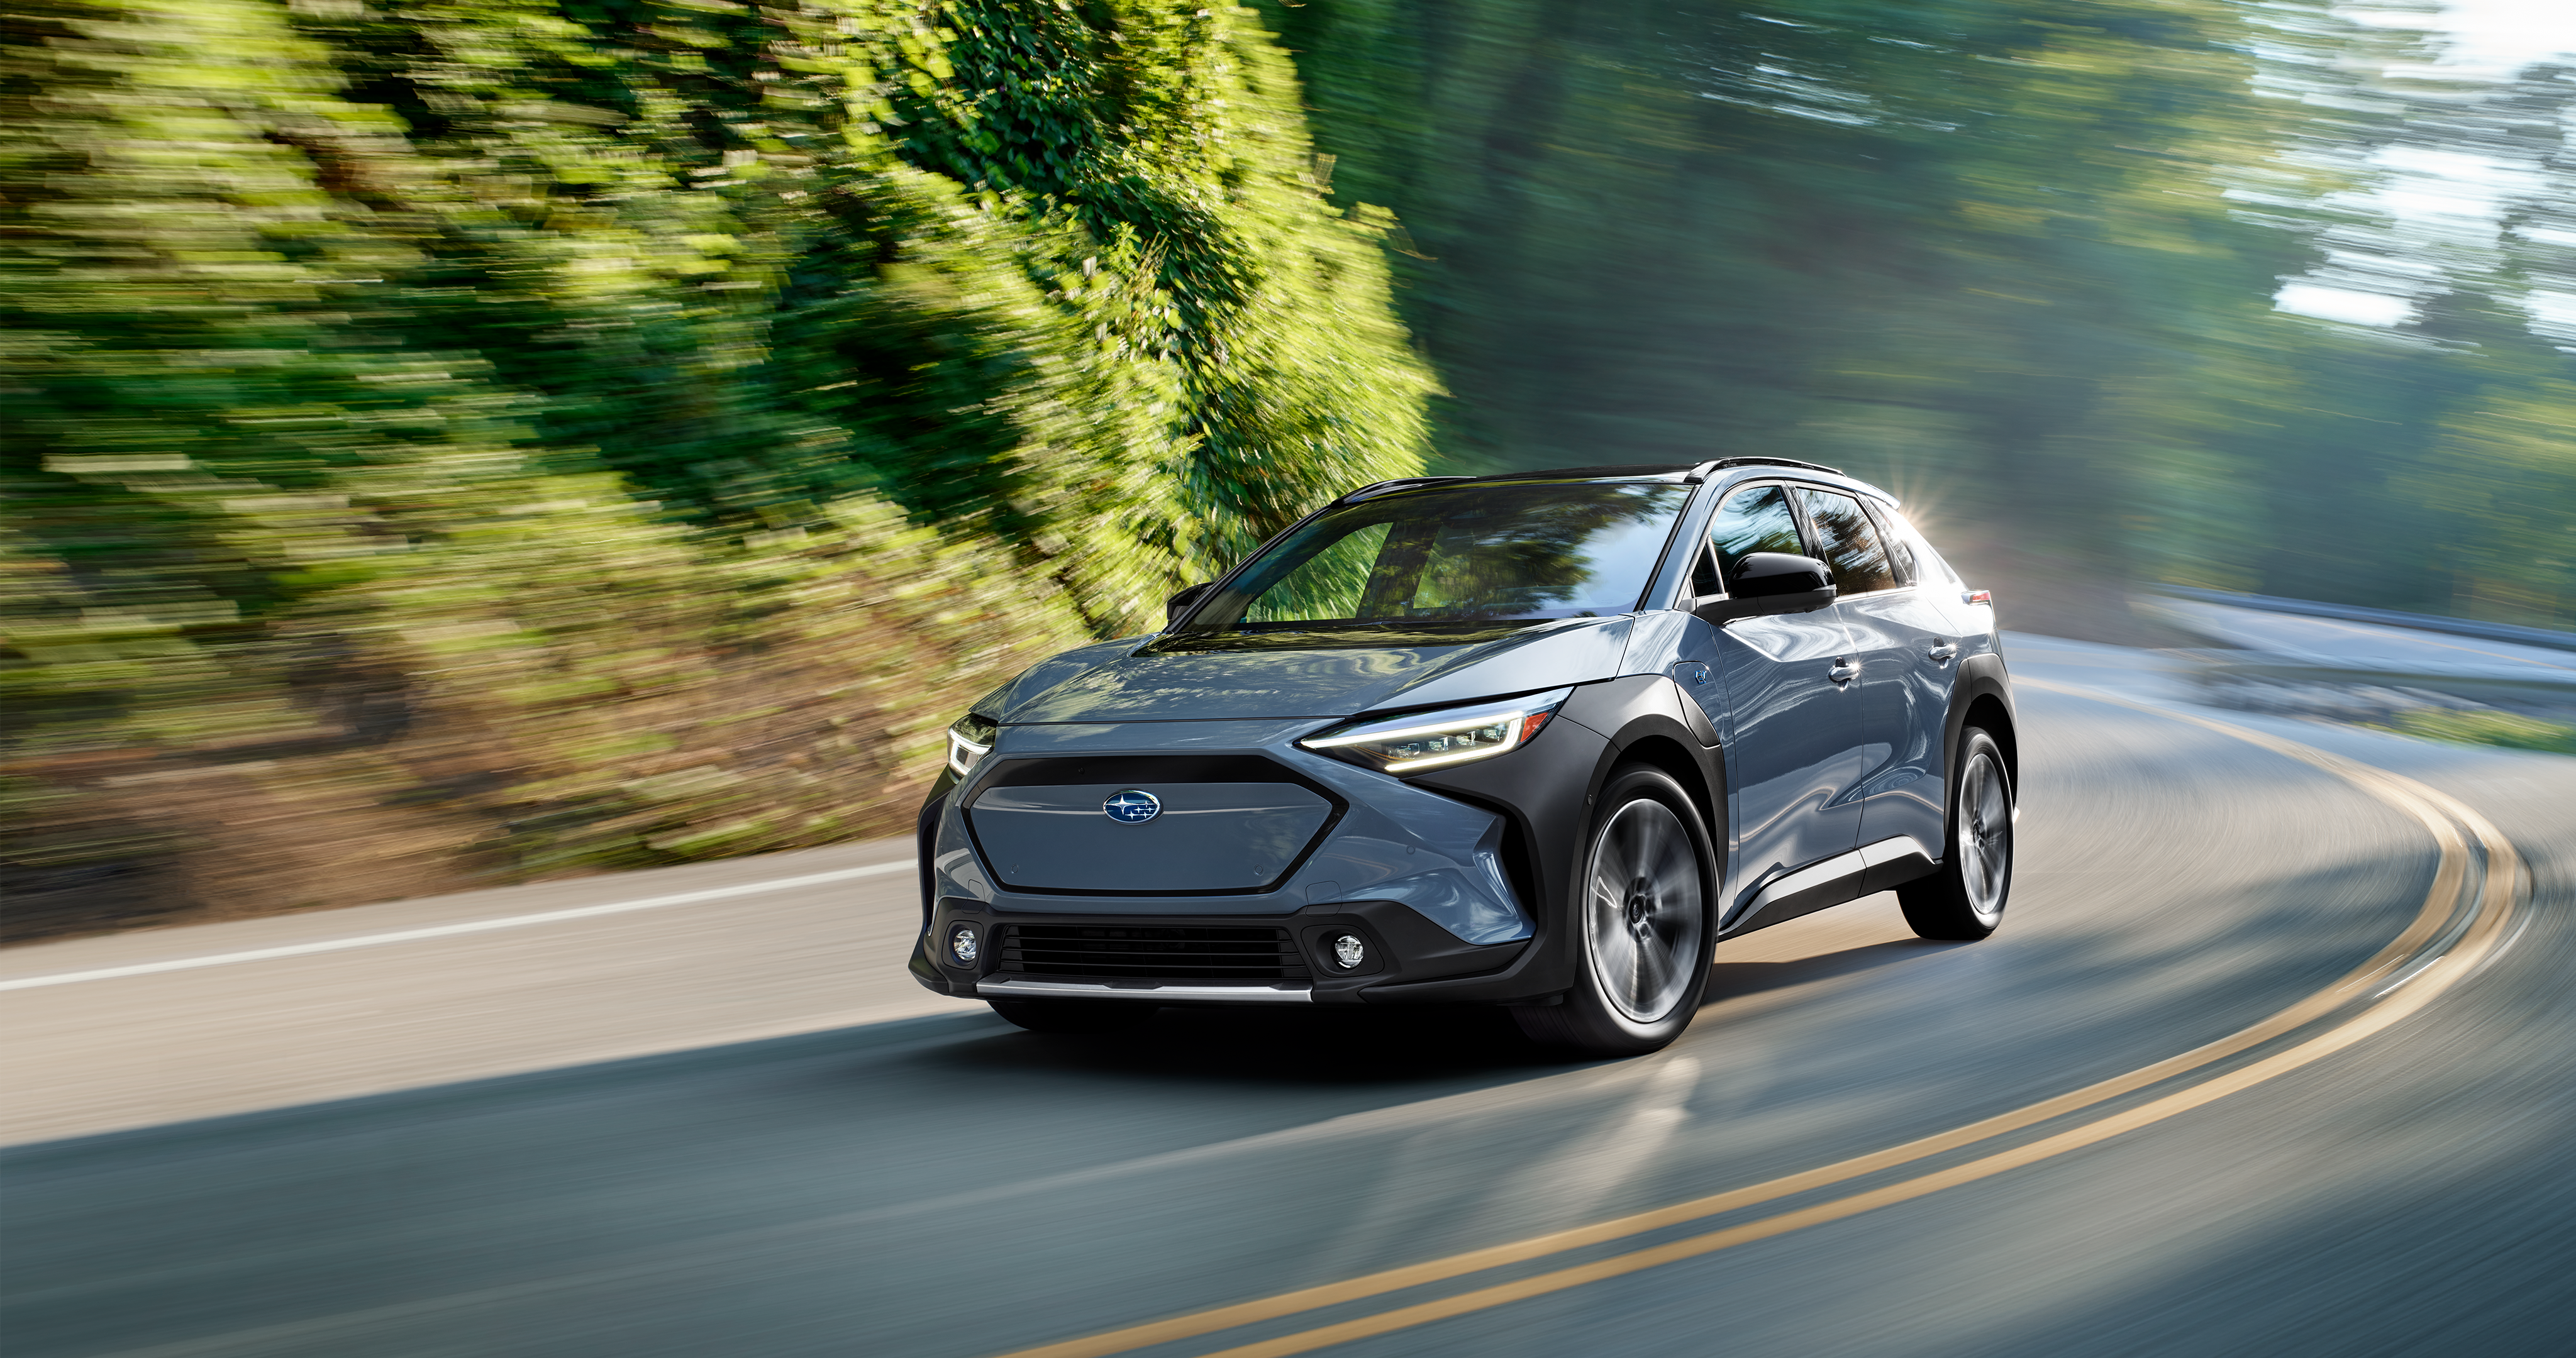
(1979, 596)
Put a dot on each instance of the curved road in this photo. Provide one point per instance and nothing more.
(666, 1114)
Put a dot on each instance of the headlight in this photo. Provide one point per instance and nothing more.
(1430, 740)
(970, 737)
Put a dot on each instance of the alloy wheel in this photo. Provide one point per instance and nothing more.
(1644, 914)
(1985, 837)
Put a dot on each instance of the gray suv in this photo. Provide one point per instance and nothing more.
(1539, 740)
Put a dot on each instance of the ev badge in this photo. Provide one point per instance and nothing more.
(1132, 807)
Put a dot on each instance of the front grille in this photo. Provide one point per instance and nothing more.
(1153, 951)
(1041, 826)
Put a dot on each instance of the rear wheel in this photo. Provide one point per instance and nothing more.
(1643, 948)
(1964, 901)
(1074, 1016)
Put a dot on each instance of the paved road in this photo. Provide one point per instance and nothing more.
(2289, 648)
(468, 1000)
(2345, 641)
(942, 1184)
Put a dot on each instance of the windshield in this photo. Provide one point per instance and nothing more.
(1459, 555)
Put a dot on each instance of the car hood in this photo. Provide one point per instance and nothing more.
(1133, 680)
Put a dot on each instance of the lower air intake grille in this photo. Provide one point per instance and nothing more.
(1152, 951)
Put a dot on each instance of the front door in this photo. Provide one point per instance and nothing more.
(1793, 735)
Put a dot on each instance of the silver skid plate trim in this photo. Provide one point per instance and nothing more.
(1159, 994)
(1891, 849)
(1831, 882)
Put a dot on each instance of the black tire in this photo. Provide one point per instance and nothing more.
(1965, 899)
(1074, 1016)
(1641, 925)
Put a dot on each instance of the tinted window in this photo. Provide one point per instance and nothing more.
(1756, 520)
(1539, 550)
(1848, 541)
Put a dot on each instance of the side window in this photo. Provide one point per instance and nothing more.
(1755, 520)
(1848, 541)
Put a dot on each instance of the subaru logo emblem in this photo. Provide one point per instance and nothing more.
(1132, 807)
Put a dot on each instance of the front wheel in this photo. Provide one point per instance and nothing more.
(1964, 900)
(1643, 923)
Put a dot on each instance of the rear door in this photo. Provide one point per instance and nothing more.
(1906, 655)
(1793, 736)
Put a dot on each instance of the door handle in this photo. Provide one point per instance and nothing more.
(1943, 650)
(1844, 671)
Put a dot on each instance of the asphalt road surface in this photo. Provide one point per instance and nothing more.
(2341, 642)
(2273, 1054)
(2285, 652)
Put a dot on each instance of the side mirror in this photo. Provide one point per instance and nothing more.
(1768, 583)
(1768, 575)
(1182, 603)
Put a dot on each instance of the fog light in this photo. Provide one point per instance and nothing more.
(963, 944)
(1349, 951)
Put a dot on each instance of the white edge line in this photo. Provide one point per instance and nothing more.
(448, 930)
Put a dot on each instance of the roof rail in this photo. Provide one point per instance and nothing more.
(1706, 467)
(1377, 488)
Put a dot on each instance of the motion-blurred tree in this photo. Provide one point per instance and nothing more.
(485, 411)
(1029, 269)
(2014, 258)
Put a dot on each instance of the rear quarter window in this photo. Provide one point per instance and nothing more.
(1929, 566)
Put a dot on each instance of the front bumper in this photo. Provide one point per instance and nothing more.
(1419, 869)
(1205, 959)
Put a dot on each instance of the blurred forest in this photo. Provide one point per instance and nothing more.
(492, 438)
(475, 440)
(2014, 259)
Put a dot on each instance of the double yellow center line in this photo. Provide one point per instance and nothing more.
(2462, 921)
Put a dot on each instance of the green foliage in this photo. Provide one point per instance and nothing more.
(450, 392)
(2508, 730)
(1026, 269)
